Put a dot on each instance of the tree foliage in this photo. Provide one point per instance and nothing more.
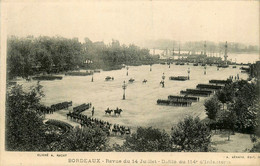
(241, 115)
(148, 140)
(254, 71)
(226, 94)
(24, 126)
(256, 148)
(226, 119)
(81, 139)
(28, 56)
(191, 135)
(212, 106)
(244, 107)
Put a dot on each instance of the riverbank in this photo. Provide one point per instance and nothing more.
(92, 70)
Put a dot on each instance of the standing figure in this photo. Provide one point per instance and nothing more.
(93, 110)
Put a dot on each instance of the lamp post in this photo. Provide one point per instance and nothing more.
(127, 70)
(205, 68)
(124, 87)
(188, 73)
(150, 67)
(92, 79)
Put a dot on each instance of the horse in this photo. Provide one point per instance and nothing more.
(68, 115)
(115, 129)
(127, 130)
(131, 80)
(161, 82)
(122, 128)
(108, 126)
(108, 111)
(118, 111)
(122, 132)
(108, 78)
(144, 81)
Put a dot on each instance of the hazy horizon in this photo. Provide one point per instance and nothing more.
(136, 22)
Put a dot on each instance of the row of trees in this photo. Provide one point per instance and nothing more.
(27, 56)
(25, 131)
(189, 135)
(242, 110)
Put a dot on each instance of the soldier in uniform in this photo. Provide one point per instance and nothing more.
(93, 110)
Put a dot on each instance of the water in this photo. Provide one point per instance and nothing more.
(244, 58)
(234, 57)
(140, 107)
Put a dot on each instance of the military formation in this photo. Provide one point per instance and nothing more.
(54, 107)
(183, 98)
(174, 103)
(60, 106)
(191, 95)
(85, 121)
(91, 122)
(196, 92)
(81, 108)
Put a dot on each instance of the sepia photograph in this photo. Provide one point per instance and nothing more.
(130, 83)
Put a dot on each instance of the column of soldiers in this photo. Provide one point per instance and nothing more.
(91, 122)
(54, 107)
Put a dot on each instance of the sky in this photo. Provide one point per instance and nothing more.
(130, 22)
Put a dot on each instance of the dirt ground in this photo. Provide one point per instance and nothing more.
(140, 107)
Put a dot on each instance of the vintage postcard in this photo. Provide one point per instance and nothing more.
(149, 82)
